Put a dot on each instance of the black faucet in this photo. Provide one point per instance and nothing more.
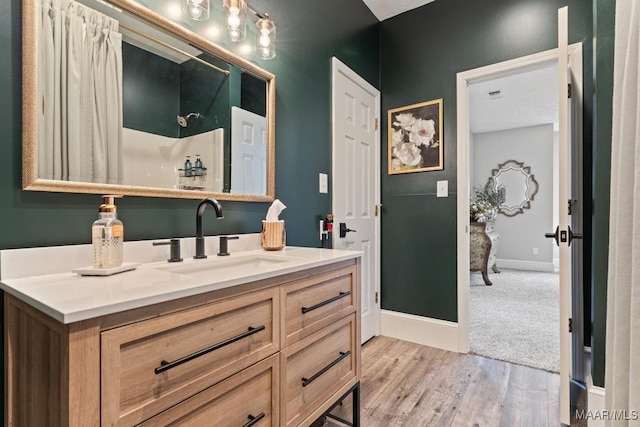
(199, 235)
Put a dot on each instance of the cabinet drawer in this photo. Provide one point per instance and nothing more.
(249, 398)
(315, 368)
(315, 302)
(152, 365)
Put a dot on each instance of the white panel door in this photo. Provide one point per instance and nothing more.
(248, 152)
(355, 190)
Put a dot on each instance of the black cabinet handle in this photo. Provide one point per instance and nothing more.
(254, 420)
(165, 366)
(307, 381)
(329, 301)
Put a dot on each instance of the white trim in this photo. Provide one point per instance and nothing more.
(420, 330)
(338, 66)
(517, 264)
(463, 79)
(595, 402)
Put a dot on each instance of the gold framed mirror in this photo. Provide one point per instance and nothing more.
(60, 157)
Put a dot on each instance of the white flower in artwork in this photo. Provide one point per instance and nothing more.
(422, 132)
(408, 154)
(404, 121)
(396, 164)
(397, 137)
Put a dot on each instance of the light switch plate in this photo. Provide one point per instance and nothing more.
(324, 183)
(443, 189)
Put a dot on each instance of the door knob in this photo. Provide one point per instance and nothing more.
(573, 235)
(563, 236)
(344, 230)
(553, 235)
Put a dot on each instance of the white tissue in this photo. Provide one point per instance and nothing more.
(274, 210)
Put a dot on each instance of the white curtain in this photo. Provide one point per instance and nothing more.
(622, 374)
(80, 83)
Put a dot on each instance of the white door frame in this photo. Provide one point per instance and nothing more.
(463, 80)
(339, 67)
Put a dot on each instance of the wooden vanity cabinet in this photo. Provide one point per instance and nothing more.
(277, 352)
(149, 366)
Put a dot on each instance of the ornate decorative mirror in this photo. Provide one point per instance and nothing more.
(520, 185)
(156, 94)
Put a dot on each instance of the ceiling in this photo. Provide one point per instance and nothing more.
(384, 9)
(528, 98)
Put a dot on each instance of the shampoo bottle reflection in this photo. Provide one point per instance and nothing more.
(198, 168)
(188, 168)
(107, 236)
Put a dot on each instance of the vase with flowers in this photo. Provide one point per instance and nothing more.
(486, 202)
(483, 240)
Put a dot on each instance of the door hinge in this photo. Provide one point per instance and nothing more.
(376, 297)
(570, 325)
(569, 90)
(376, 123)
(376, 209)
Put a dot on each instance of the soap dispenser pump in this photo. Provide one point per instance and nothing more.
(107, 236)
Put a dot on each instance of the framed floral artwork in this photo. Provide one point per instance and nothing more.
(415, 138)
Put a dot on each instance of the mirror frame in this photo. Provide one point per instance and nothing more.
(30, 180)
(531, 186)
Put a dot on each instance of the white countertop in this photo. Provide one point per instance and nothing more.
(69, 297)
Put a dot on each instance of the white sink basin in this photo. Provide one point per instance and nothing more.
(216, 265)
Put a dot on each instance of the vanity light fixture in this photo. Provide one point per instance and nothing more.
(235, 23)
(197, 10)
(266, 43)
(235, 17)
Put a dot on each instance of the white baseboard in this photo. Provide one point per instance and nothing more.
(595, 403)
(420, 330)
(525, 265)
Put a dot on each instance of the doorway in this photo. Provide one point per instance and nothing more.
(513, 139)
(571, 307)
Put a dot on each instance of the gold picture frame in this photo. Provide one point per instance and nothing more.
(415, 138)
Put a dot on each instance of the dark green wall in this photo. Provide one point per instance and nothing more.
(157, 90)
(253, 94)
(206, 91)
(421, 52)
(309, 34)
(604, 23)
(150, 92)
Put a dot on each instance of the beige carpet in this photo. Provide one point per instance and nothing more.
(516, 319)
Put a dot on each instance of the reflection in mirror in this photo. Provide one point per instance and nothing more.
(520, 185)
(143, 107)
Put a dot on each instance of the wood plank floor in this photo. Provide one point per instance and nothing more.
(406, 384)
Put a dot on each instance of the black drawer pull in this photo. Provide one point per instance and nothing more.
(254, 420)
(307, 381)
(165, 366)
(330, 300)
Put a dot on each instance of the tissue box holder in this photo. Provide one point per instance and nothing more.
(273, 235)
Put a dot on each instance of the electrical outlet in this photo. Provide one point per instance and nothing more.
(534, 251)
